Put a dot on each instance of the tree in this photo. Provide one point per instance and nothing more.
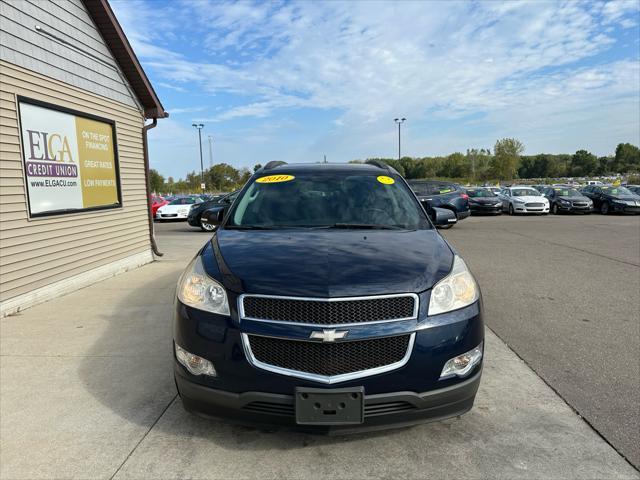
(156, 181)
(627, 158)
(583, 163)
(506, 158)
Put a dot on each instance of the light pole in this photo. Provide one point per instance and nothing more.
(399, 121)
(210, 151)
(200, 126)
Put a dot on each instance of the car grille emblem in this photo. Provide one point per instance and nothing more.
(329, 335)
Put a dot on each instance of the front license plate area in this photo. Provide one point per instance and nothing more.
(321, 406)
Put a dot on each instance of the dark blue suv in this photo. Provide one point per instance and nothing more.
(327, 300)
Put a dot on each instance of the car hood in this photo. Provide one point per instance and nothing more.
(174, 208)
(575, 199)
(530, 198)
(624, 198)
(329, 263)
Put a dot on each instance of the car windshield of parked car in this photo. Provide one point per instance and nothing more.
(525, 192)
(330, 200)
(615, 191)
(480, 193)
(567, 192)
(431, 188)
(185, 201)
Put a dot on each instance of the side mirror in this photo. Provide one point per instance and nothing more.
(442, 217)
(213, 216)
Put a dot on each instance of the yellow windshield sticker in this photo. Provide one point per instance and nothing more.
(446, 190)
(386, 180)
(275, 179)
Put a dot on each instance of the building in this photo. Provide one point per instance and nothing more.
(74, 197)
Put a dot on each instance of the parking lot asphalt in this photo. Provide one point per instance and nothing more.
(87, 392)
(564, 293)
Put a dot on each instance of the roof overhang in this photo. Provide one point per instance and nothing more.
(116, 40)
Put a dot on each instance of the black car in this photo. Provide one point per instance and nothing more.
(567, 200)
(433, 193)
(612, 199)
(326, 300)
(195, 214)
(484, 201)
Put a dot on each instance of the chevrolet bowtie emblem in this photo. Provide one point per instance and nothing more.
(328, 335)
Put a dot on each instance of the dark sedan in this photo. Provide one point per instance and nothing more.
(567, 200)
(484, 201)
(195, 214)
(433, 193)
(612, 199)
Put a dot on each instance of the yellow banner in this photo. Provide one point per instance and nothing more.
(97, 163)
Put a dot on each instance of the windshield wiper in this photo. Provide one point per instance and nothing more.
(370, 226)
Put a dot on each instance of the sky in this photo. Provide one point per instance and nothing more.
(295, 81)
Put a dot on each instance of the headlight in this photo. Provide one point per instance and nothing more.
(564, 202)
(518, 201)
(462, 364)
(456, 290)
(199, 290)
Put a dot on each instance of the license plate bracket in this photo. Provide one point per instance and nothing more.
(322, 406)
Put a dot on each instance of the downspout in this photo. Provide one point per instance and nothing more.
(145, 153)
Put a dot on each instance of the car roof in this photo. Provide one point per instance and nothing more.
(343, 168)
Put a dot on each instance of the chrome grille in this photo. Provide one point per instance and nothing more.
(534, 205)
(329, 311)
(329, 359)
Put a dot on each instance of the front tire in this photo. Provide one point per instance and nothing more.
(604, 208)
(554, 209)
(511, 211)
(206, 227)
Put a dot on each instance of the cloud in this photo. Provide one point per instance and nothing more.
(368, 62)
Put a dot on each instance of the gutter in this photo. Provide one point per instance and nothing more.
(145, 153)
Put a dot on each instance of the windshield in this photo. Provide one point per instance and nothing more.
(524, 192)
(616, 191)
(480, 193)
(185, 201)
(328, 200)
(431, 188)
(567, 192)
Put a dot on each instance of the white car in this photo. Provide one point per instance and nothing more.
(177, 209)
(523, 199)
(494, 190)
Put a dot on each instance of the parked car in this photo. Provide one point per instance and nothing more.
(523, 199)
(540, 188)
(156, 203)
(433, 193)
(307, 306)
(483, 201)
(195, 213)
(567, 200)
(177, 209)
(611, 199)
(494, 190)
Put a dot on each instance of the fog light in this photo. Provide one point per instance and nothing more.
(193, 363)
(461, 365)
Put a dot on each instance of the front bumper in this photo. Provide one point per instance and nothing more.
(628, 209)
(411, 393)
(574, 208)
(385, 410)
(520, 208)
(172, 216)
(485, 209)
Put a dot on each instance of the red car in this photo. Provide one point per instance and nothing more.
(156, 203)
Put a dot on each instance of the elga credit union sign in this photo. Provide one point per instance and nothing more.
(70, 160)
